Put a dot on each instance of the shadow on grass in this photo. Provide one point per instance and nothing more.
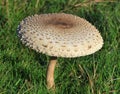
(41, 58)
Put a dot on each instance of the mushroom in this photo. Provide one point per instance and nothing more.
(59, 35)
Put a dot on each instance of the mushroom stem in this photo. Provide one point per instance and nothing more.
(50, 73)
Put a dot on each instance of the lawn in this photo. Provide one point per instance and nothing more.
(23, 71)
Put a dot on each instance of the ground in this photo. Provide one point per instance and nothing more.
(23, 71)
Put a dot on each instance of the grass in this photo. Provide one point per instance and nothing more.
(23, 71)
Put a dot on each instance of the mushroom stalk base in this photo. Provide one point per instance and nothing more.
(50, 73)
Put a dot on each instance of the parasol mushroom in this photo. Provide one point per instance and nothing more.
(59, 35)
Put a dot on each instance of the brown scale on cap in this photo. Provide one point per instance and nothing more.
(61, 23)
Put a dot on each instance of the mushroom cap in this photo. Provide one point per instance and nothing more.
(60, 35)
